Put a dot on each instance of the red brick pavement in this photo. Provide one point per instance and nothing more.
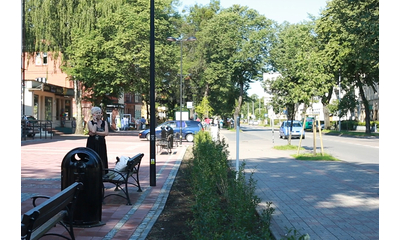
(41, 171)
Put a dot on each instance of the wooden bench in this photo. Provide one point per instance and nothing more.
(121, 178)
(57, 209)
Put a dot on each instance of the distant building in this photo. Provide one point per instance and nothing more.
(48, 94)
(317, 107)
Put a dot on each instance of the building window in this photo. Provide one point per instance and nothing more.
(137, 98)
(38, 59)
(45, 58)
(128, 98)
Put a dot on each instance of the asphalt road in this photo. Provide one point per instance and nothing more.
(364, 151)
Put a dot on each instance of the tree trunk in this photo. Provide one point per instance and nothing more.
(205, 114)
(78, 101)
(366, 107)
(327, 121)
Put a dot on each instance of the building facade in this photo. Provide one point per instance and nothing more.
(48, 94)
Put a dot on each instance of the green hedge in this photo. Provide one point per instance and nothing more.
(225, 205)
(352, 124)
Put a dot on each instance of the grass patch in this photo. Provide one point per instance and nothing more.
(316, 157)
(349, 133)
(287, 147)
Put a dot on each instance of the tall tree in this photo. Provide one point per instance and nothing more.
(350, 31)
(297, 56)
(48, 25)
(104, 44)
(233, 47)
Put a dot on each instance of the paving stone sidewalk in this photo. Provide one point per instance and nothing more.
(41, 174)
(326, 200)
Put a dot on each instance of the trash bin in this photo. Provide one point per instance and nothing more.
(163, 133)
(84, 165)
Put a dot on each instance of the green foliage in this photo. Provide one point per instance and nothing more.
(225, 205)
(204, 109)
(231, 52)
(287, 147)
(293, 234)
(316, 157)
(104, 44)
(296, 56)
(349, 33)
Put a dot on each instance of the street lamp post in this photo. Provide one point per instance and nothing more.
(180, 40)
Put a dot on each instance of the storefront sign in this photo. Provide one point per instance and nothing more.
(61, 91)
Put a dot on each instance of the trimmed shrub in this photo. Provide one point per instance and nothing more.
(225, 203)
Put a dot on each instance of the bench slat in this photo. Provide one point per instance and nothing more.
(132, 171)
(43, 229)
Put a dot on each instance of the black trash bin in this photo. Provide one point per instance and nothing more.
(84, 165)
(163, 133)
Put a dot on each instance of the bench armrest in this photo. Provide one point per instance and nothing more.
(34, 198)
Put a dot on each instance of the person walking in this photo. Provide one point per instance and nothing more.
(143, 121)
(98, 130)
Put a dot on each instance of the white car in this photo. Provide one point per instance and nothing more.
(297, 130)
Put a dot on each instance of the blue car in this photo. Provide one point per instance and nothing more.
(189, 129)
(297, 130)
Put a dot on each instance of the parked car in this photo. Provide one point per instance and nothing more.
(254, 122)
(297, 130)
(29, 126)
(189, 129)
(309, 123)
(322, 126)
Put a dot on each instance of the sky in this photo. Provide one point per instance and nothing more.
(292, 11)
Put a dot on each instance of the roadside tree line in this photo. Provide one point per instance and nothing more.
(105, 47)
(343, 43)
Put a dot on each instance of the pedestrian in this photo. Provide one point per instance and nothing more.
(98, 130)
(73, 124)
(138, 124)
(118, 122)
(143, 121)
(133, 123)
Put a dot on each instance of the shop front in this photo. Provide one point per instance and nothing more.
(48, 102)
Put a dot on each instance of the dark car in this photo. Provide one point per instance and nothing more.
(309, 124)
(29, 126)
(189, 129)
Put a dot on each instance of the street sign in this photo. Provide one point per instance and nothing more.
(189, 104)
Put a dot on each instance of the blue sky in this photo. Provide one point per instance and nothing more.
(293, 11)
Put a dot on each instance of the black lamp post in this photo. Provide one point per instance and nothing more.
(172, 39)
(152, 99)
